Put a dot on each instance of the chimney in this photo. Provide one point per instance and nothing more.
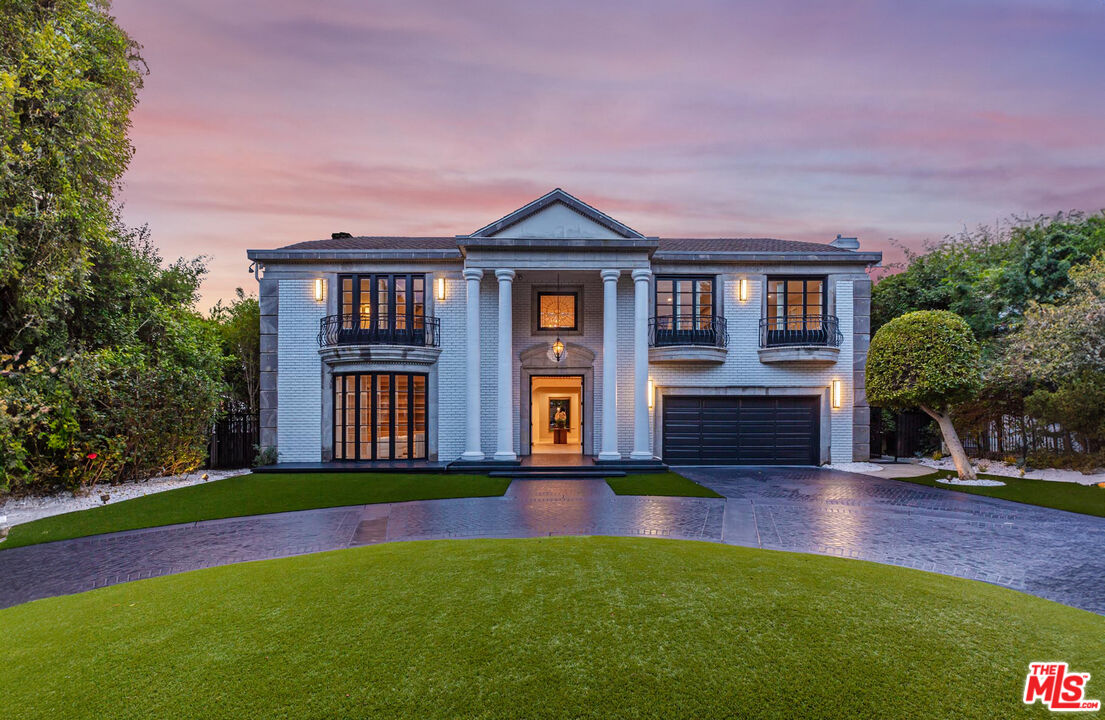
(845, 243)
(343, 235)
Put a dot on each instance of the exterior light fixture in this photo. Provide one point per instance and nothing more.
(441, 288)
(651, 394)
(320, 289)
(558, 344)
(742, 289)
(558, 349)
(836, 393)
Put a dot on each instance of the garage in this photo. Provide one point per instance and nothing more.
(741, 430)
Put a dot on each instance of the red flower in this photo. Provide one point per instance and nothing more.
(92, 456)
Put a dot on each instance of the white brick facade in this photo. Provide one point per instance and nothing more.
(299, 412)
(300, 406)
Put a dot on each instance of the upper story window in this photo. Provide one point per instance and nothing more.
(684, 303)
(685, 313)
(795, 303)
(392, 302)
(797, 314)
(557, 310)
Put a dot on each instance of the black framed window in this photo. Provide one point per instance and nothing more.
(685, 303)
(796, 303)
(557, 310)
(379, 416)
(383, 306)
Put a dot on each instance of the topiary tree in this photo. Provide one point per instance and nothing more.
(928, 359)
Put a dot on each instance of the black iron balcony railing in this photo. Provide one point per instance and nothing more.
(800, 330)
(354, 330)
(678, 330)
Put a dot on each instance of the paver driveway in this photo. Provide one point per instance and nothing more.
(1044, 552)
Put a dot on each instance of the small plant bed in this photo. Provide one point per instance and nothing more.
(541, 628)
(253, 495)
(667, 484)
(1086, 499)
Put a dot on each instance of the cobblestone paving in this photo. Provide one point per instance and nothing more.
(1044, 552)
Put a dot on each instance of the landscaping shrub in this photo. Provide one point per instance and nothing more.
(106, 370)
(927, 359)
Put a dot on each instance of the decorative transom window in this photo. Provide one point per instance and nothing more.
(556, 311)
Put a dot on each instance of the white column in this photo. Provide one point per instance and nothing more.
(640, 365)
(610, 365)
(505, 422)
(472, 450)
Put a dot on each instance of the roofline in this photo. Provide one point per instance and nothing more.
(846, 258)
(556, 195)
(648, 244)
(354, 254)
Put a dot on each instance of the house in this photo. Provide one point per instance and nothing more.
(559, 330)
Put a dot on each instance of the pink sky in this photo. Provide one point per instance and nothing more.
(268, 122)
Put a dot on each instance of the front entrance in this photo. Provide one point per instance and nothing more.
(556, 414)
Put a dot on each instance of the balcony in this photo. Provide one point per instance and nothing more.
(349, 338)
(701, 339)
(800, 338)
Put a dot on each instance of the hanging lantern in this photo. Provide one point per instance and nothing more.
(558, 344)
(558, 349)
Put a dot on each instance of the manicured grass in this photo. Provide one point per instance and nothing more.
(666, 483)
(541, 628)
(253, 495)
(1089, 500)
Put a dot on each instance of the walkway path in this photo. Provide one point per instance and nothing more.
(1044, 552)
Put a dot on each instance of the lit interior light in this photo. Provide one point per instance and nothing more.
(441, 288)
(320, 289)
(836, 393)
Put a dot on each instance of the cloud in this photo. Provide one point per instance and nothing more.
(266, 122)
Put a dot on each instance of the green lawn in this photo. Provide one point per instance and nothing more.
(541, 628)
(1060, 495)
(666, 483)
(253, 495)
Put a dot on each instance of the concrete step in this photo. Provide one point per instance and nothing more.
(556, 474)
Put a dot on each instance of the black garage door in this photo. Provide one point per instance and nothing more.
(741, 430)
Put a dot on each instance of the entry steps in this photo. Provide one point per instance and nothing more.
(551, 473)
(597, 469)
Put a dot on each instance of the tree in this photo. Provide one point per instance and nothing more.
(69, 77)
(1059, 354)
(239, 326)
(106, 369)
(928, 359)
(990, 278)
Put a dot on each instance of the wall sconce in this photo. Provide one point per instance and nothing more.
(742, 289)
(320, 289)
(651, 394)
(836, 393)
(441, 288)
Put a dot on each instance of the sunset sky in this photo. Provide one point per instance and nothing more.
(268, 122)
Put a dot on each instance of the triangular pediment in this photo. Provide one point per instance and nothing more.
(557, 215)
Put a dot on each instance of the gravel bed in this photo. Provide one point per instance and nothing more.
(15, 511)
